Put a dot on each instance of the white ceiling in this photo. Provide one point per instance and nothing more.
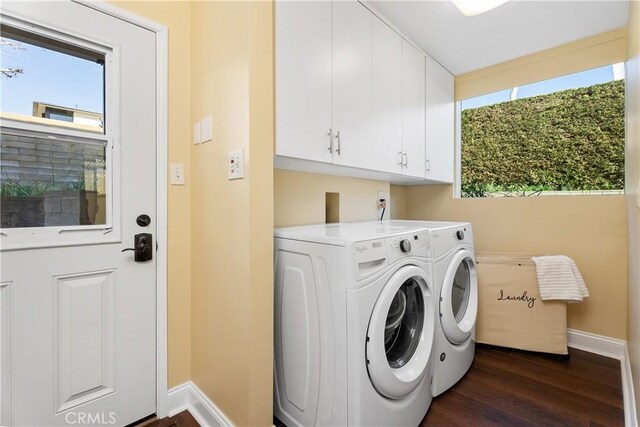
(519, 27)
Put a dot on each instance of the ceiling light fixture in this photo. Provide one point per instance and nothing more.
(476, 7)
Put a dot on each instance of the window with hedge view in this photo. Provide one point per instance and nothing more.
(559, 136)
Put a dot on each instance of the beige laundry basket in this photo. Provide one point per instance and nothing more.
(510, 311)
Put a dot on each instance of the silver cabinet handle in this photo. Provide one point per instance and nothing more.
(330, 148)
(338, 139)
(399, 158)
(405, 159)
(428, 165)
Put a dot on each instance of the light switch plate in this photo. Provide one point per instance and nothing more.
(236, 164)
(206, 129)
(177, 174)
(196, 133)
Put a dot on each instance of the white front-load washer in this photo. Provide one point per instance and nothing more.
(452, 256)
(354, 325)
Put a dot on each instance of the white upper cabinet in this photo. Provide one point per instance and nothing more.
(303, 79)
(352, 94)
(413, 111)
(353, 97)
(386, 140)
(440, 121)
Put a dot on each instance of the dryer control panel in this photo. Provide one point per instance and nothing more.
(443, 240)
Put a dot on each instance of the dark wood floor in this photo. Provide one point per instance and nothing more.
(512, 388)
(183, 419)
(507, 387)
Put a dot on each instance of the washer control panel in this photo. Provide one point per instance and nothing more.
(405, 245)
(414, 244)
(370, 256)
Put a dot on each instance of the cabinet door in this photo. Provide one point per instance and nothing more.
(386, 140)
(352, 81)
(303, 79)
(440, 119)
(413, 110)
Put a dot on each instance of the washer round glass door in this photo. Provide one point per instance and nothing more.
(400, 334)
(459, 298)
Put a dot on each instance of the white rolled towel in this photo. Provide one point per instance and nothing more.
(559, 279)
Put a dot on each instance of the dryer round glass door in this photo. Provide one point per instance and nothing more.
(400, 334)
(459, 298)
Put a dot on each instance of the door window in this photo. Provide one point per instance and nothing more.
(460, 291)
(55, 161)
(52, 82)
(404, 323)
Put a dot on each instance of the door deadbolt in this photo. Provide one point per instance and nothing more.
(143, 220)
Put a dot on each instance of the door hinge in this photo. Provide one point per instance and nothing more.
(156, 246)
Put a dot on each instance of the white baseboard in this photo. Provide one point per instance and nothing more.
(616, 349)
(598, 344)
(189, 397)
(630, 410)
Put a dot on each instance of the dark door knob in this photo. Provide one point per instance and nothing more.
(142, 247)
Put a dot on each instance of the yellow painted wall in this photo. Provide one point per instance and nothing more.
(175, 15)
(299, 197)
(591, 52)
(231, 221)
(632, 177)
(399, 199)
(261, 138)
(590, 229)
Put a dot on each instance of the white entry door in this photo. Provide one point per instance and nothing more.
(78, 181)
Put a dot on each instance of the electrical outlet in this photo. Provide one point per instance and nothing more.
(236, 164)
(177, 174)
(379, 203)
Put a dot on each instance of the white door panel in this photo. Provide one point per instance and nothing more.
(386, 139)
(413, 107)
(303, 79)
(5, 355)
(84, 357)
(83, 317)
(352, 79)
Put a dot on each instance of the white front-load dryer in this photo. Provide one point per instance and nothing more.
(454, 273)
(354, 325)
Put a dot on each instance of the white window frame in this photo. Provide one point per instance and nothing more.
(457, 188)
(59, 236)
